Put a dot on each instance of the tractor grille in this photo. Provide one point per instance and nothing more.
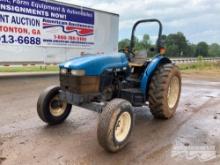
(79, 84)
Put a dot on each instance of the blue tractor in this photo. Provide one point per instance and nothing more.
(112, 85)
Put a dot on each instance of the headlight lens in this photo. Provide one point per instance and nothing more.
(63, 71)
(78, 72)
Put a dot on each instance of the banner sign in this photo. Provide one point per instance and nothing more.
(43, 23)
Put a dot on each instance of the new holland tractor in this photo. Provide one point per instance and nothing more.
(112, 85)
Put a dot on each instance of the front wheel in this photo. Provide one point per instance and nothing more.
(50, 108)
(115, 125)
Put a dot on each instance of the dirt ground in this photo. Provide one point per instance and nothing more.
(195, 129)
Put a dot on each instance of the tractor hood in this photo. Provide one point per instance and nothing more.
(94, 65)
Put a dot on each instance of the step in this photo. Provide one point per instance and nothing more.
(133, 95)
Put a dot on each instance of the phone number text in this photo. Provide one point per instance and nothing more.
(10, 39)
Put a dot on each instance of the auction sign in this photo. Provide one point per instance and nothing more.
(44, 23)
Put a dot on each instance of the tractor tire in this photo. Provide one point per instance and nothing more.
(164, 91)
(115, 125)
(50, 109)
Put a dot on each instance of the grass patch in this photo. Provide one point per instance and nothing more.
(29, 69)
(200, 66)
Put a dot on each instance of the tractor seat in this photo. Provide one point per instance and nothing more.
(139, 59)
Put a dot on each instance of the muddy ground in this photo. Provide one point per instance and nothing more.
(195, 129)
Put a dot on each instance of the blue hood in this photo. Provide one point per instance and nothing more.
(95, 64)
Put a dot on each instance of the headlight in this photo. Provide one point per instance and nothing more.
(63, 71)
(78, 72)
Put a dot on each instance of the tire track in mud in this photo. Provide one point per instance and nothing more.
(148, 155)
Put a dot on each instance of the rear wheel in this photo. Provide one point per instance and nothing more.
(115, 125)
(164, 91)
(50, 108)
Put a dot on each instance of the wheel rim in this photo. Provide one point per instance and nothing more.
(173, 92)
(123, 126)
(57, 107)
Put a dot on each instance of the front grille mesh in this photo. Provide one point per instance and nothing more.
(79, 84)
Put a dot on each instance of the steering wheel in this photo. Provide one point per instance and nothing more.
(129, 53)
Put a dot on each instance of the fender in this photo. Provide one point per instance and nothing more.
(148, 73)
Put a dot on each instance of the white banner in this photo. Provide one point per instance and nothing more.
(40, 23)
